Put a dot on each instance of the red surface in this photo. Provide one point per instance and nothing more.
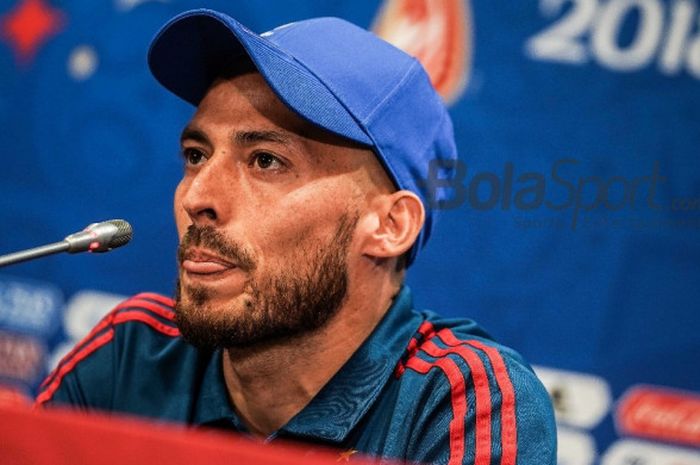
(64, 437)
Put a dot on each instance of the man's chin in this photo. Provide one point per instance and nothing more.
(201, 324)
(209, 321)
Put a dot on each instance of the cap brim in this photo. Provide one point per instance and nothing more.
(197, 46)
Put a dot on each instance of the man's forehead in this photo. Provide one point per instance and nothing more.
(250, 91)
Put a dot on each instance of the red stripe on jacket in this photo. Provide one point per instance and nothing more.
(167, 301)
(482, 394)
(509, 437)
(426, 331)
(95, 344)
(458, 397)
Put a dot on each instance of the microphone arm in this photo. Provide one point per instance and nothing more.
(36, 252)
(97, 237)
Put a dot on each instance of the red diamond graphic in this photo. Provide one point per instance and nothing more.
(28, 26)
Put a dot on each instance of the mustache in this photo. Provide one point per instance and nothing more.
(209, 238)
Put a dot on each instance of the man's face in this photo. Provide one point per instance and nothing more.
(266, 213)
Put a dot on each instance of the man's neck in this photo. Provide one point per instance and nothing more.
(269, 385)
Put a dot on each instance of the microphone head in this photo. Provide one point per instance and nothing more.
(100, 237)
(123, 235)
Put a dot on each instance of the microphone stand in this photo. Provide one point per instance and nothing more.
(96, 237)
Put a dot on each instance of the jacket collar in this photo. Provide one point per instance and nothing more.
(350, 393)
(343, 401)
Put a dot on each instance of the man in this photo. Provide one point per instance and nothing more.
(300, 207)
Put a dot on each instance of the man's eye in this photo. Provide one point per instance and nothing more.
(266, 161)
(192, 156)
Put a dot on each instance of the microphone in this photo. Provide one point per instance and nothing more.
(96, 237)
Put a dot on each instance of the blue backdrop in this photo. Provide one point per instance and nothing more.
(574, 231)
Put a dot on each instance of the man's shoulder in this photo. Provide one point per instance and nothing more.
(147, 315)
(459, 340)
(458, 349)
(458, 371)
(138, 331)
(148, 309)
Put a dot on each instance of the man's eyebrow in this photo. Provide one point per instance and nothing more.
(253, 137)
(193, 134)
(240, 137)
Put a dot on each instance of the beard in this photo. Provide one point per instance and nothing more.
(297, 298)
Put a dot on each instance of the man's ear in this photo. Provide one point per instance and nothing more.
(393, 224)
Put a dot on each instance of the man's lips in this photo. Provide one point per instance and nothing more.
(203, 262)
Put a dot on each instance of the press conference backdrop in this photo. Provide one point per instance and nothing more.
(573, 221)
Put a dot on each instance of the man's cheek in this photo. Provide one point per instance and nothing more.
(181, 218)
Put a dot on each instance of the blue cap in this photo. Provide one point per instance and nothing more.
(330, 72)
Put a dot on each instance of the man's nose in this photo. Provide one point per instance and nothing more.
(206, 200)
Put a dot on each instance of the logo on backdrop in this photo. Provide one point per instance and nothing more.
(580, 400)
(561, 188)
(634, 452)
(83, 312)
(438, 33)
(661, 414)
(29, 318)
(666, 35)
(575, 447)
